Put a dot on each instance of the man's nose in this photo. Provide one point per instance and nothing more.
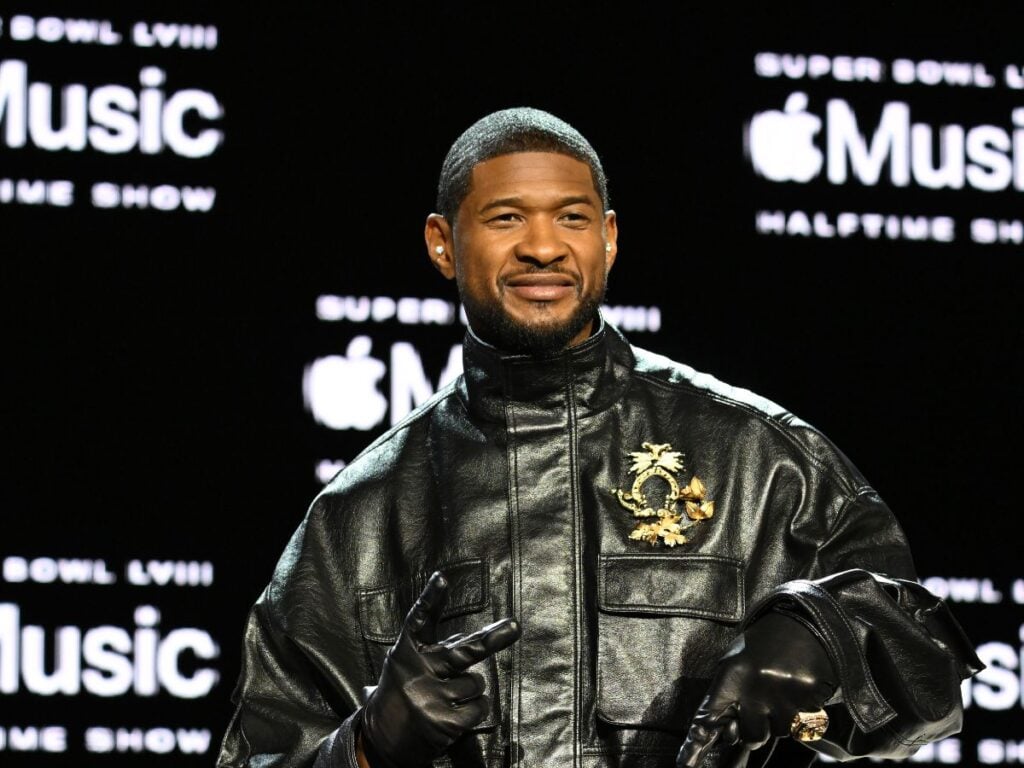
(541, 245)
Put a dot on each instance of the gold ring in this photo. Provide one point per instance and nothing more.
(809, 726)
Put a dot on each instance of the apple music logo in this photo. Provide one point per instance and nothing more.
(781, 144)
(781, 147)
(342, 391)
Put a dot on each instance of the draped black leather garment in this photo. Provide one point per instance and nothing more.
(505, 482)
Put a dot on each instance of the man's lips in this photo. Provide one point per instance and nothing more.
(540, 286)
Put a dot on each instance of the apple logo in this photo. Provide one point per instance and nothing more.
(341, 391)
(781, 144)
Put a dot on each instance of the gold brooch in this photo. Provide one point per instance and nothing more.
(659, 461)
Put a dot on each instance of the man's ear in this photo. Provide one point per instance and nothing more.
(611, 239)
(438, 235)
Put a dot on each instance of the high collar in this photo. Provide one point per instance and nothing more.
(596, 373)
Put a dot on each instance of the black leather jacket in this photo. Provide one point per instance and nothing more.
(506, 481)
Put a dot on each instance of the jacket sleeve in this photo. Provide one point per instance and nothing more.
(292, 706)
(899, 653)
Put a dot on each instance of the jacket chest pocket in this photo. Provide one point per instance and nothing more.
(382, 611)
(664, 620)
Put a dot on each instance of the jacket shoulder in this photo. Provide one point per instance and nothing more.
(660, 369)
(748, 413)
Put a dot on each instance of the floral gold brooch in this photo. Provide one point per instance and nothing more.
(659, 461)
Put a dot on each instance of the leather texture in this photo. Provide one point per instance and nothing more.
(504, 482)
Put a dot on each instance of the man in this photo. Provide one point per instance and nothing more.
(633, 564)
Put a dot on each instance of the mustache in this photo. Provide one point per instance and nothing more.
(555, 269)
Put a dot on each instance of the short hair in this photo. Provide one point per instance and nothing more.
(521, 129)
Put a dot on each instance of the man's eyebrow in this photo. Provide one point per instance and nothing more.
(517, 202)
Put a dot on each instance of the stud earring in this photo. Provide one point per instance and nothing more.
(439, 250)
(608, 247)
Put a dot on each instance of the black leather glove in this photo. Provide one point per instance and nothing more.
(776, 668)
(425, 698)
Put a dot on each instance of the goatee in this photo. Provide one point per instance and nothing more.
(494, 325)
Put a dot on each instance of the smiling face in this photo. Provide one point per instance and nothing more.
(530, 251)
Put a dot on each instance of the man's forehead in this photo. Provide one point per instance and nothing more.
(532, 173)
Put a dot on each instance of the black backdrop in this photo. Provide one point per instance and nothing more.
(154, 359)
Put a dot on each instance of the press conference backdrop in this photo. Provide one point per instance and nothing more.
(215, 293)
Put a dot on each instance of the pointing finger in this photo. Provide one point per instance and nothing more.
(421, 623)
(471, 649)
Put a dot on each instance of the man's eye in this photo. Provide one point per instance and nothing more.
(502, 218)
(575, 218)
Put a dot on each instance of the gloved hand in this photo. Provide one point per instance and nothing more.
(776, 668)
(425, 698)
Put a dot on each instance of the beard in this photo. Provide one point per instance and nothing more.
(493, 324)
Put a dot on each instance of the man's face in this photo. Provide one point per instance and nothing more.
(530, 250)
